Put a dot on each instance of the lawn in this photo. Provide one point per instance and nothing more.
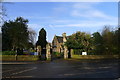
(95, 56)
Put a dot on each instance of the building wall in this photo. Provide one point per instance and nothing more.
(57, 45)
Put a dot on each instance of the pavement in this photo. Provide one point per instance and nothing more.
(62, 69)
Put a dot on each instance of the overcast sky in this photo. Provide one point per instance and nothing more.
(69, 17)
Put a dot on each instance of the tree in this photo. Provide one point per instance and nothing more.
(15, 34)
(42, 42)
(98, 43)
(108, 40)
(42, 38)
(32, 35)
(6, 39)
(80, 41)
(2, 12)
(117, 41)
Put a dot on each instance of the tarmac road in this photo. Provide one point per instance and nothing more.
(62, 69)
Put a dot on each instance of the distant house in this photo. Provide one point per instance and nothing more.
(58, 43)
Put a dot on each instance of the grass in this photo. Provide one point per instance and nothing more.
(95, 56)
(7, 53)
(35, 57)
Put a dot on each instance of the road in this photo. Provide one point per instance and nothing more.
(63, 69)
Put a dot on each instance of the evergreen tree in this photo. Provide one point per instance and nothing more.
(98, 43)
(42, 42)
(42, 38)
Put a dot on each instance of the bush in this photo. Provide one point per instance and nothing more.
(19, 58)
(8, 53)
(57, 54)
(78, 51)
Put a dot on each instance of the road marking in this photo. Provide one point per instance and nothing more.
(9, 70)
(104, 67)
(24, 71)
(15, 63)
(19, 77)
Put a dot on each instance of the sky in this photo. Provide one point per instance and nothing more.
(69, 17)
(60, 0)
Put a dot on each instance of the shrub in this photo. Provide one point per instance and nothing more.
(8, 53)
(57, 54)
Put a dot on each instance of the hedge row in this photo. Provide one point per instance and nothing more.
(8, 53)
(19, 57)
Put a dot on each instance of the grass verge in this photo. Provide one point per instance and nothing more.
(95, 56)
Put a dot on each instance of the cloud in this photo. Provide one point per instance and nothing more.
(88, 24)
(82, 5)
(88, 14)
(92, 14)
(38, 17)
(35, 27)
(62, 21)
(31, 16)
(60, 9)
(87, 10)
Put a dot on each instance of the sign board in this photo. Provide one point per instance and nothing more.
(84, 53)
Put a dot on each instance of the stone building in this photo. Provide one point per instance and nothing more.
(58, 44)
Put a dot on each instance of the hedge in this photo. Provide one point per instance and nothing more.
(8, 53)
(19, 57)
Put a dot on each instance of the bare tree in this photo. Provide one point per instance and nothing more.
(2, 11)
(32, 35)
